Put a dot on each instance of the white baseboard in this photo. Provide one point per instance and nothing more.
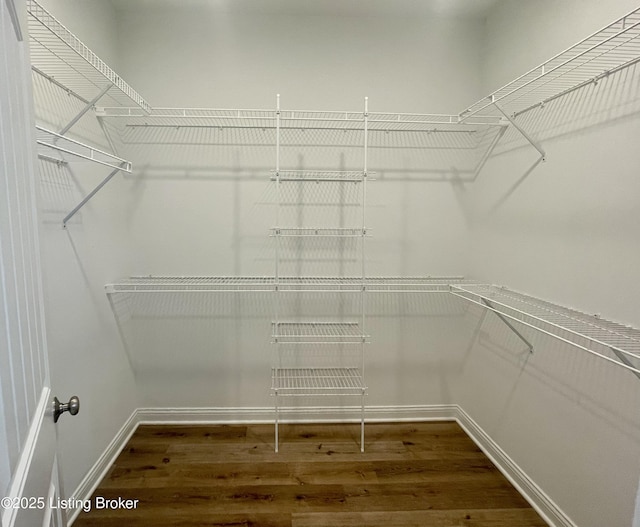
(544, 505)
(99, 470)
(538, 499)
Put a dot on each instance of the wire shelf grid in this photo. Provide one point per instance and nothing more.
(317, 381)
(52, 141)
(607, 51)
(328, 284)
(294, 119)
(60, 55)
(587, 332)
(318, 175)
(317, 332)
(318, 232)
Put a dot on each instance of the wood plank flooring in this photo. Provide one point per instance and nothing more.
(410, 475)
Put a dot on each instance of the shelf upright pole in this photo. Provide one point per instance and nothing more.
(364, 231)
(278, 198)
(277, 269)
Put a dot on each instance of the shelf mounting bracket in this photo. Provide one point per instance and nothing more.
(489, 305)
(524, 134)
(87, 107)
(489, 151)
(93, 193)
(13, 15)
(623, 358)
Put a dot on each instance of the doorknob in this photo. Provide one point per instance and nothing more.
(73, 407)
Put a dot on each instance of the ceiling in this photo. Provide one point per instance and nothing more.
(386, 8)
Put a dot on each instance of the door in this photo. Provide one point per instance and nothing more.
(29, 479)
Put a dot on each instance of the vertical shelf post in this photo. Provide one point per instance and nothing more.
(364, 231)
(277, 270)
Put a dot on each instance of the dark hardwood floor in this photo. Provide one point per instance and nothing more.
(410, 475)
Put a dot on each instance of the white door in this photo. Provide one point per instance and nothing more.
(29, 479)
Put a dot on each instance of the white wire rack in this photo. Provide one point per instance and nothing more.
(192, 284)
(317, 332)
(317, 381)
(62, 146)
(613, 342)
(256, 284)
(295, 119)
(603, 53)
(610, 341)
(60, 55)
(318, 175)
(318, 232)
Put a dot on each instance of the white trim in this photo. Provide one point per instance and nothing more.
(26, 456)
(99, 470)
(636, 516)
(538, 499)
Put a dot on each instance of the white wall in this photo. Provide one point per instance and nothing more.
(564, 232)
(204, 208)
(241, 54)
(87, 355)
(561, 232)
(196, 208)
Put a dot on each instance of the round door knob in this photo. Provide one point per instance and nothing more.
(73, 407)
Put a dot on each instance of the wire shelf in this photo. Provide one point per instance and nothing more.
(616, 343)
(61, 56)
(587, 332)
(317, 332)
(607, 51)
(51, 141)
(318, 175)
(295, 119)
(317, 381)
(321, 284)
(317, 232)
(192, 284)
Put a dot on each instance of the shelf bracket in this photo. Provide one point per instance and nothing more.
(489, 151)
(87, 107)
(123, 166)
(489, 305)
(524, 134)
(623, 358)
(13, 15)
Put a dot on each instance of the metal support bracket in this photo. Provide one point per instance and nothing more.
(524, 134)
(87, 107)
(93, 193)
(623, 358)
(105, 130)
(13, 15)
(489, 305)
(488, 152)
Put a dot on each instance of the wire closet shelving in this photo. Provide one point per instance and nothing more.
(256, 284)
(301, 375)
(64, 60)
(615, 343)
(605, 52)
(60, 57)
(57, 54)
